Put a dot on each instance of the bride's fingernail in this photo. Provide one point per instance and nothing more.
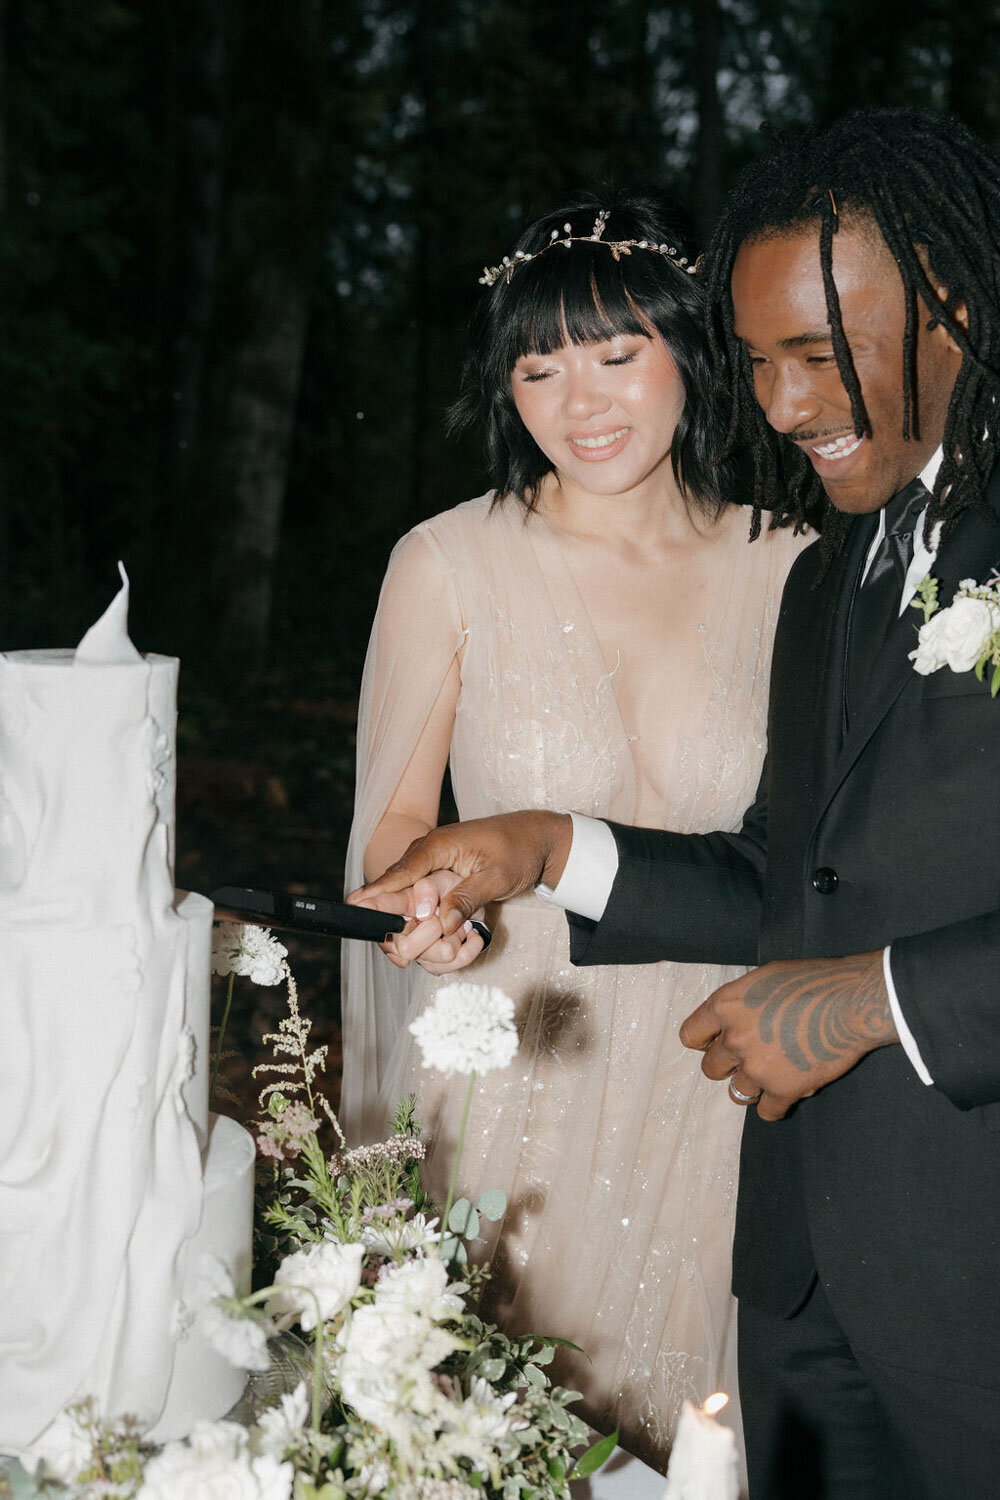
(424, 909)
(468, 927)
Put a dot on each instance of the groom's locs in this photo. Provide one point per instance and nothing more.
(854, 289)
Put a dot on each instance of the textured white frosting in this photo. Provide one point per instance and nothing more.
(110, 1179)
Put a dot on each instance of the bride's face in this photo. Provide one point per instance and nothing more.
(604, 414)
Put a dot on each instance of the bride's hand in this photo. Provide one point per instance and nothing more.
(426, 944)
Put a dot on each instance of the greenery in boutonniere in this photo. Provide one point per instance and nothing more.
(965, 636)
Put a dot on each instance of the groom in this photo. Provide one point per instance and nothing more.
(854, 282)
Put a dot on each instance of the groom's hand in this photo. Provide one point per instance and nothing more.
(787, 1029)
(493, 858)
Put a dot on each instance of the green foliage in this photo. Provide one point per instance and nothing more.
(926, 596)
(588, 1463)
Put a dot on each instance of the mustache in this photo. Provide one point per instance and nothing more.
(821, 437)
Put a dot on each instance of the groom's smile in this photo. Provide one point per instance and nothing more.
(781, 317)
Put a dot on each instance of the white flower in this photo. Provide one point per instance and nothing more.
(469, 1028)
(420, 1286)
(384, 1371)
(955, 637)
(223, 1322)
(475, 1427)
(215, 1464)
(278, 1429)
(330, 1270)
(241, 1340)
(440, 1489)
(64, 1448)
(400, 1235)
(240, 948)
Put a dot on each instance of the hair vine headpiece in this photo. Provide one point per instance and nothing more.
(618, 248)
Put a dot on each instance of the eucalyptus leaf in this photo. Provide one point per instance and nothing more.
(491, 1369)
(492, 1204)
(463, 1219)
(453, 1249)
(591, 1461)
(534, 1376)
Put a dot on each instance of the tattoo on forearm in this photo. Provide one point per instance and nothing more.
(819, 1018)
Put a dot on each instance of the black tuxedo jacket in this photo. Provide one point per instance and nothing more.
(886, 833)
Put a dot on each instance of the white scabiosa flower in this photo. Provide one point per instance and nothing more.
(240, 948)
(215, 1464)
(330, 1271)
(396, 1236)
(420, 1286)
(469, 1028)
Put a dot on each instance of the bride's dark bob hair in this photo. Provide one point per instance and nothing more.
(585, 293)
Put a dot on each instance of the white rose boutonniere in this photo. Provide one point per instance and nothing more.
(966, 635)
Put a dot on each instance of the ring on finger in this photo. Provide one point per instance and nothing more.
(738, 1096)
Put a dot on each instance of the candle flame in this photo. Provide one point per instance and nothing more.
(715, 1403)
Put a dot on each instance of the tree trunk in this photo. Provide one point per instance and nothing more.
(274, 235)
(195, 127)
(258, 419)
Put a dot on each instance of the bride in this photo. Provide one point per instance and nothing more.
(592, 634)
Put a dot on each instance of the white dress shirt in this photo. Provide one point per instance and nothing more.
(586, 882)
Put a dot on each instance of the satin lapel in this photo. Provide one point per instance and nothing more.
(834, 613)
(970, 552)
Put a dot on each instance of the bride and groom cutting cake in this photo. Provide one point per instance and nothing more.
(853, 306)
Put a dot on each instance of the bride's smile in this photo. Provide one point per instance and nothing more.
(604, 413)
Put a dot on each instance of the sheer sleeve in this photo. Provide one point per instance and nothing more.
(419, 629)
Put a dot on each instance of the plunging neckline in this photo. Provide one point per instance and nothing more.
(571, 610)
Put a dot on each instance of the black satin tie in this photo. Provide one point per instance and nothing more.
(878, 597)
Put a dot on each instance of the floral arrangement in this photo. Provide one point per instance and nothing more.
(965, 636)
(404, 1391)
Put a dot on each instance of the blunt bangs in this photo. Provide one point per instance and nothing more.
(582, 303)
(584, 294)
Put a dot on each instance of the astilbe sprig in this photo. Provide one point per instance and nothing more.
(292, 1040)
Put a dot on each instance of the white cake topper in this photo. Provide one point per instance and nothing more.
(106, 643)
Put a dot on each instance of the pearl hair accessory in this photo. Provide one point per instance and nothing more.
(618, 248)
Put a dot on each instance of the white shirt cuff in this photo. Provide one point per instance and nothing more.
(585, 883)
(906, 1038)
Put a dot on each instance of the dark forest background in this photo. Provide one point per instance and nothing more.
(239, 243)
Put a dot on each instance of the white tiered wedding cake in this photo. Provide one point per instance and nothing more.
(114, 1179)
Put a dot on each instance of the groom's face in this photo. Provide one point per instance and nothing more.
(781, 317)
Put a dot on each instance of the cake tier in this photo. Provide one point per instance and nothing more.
(203, 1383)
(111, 1184)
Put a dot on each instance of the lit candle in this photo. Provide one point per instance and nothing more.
(703, 1457)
